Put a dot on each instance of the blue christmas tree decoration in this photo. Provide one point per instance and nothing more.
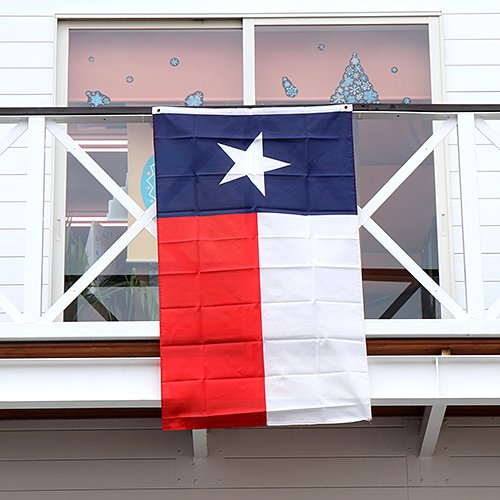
(129, 79)
(290, 90)
(174, 62)
(321, 46)
(355, 86)
(195, 99)
(406, 100)
(96, 99)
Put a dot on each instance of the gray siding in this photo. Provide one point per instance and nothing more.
(108, 459)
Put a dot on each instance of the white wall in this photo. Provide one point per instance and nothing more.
(472, 59)
(27, 47)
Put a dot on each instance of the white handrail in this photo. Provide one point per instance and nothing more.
(10, 309)
(406, 170)
(95, 169)
(98, 267)
(13, 136)
(414, 269)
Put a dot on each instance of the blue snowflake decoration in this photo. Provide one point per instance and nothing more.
(195, 99)
(321, 46)
(406, 100)
(355, 86)
(97, 98)
(174, 62)
(290, 90)
(129, 79)
(394, 69)
(91, 59)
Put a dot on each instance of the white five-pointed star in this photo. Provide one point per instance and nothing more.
(251, 163)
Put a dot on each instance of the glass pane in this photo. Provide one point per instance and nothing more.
(312, 64)
(154, 67)
(127, 288)
(368, 64)
(409, 214)
(132, 67)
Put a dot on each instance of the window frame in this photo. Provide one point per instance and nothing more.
(248, 24)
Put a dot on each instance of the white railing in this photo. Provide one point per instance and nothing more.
(32, 322)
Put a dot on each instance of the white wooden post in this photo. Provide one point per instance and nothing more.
(470, 216)
(34, 220)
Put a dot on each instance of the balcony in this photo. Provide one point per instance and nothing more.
(45, 141)
(35, 321)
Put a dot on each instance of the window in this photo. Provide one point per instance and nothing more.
(123, 67)
(367, 64)
(152, 67)
(347, 64)
(268, 62)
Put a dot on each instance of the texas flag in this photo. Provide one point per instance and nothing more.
(261, 313)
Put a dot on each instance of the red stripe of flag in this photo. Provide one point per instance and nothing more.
(211, 328)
